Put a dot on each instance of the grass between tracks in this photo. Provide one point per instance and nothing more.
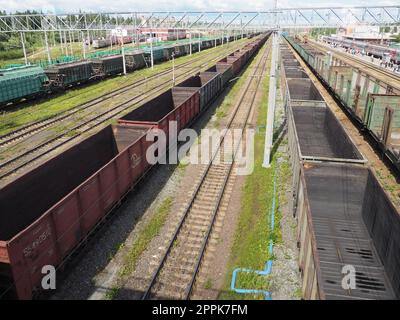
(12, 120)
(150, 230)
(252, 234)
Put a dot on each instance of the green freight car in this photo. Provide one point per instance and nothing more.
(110, 65)
(21, 82)
(135, 60)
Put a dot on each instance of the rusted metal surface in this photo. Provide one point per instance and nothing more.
(332, 234)
(295, 72)
(225, 72)
(320, 135)
(64, 199)
(302, 89)
(168, 107)
(344, 215)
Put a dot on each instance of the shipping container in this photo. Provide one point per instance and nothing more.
(207, 84)
(165, 109)
(63, 200)
(334, 234)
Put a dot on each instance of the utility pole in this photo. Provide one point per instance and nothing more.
(190, 42)
(47, 47)
(23, 48)
(83, 45)
(271, 103)
(151, 53)
(123, 54)
(173, 68)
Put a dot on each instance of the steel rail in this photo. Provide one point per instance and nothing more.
(190, 204)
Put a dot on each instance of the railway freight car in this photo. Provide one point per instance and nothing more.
(374, 104)
(337, 202)
(180, 107)
(233, 61)
(21, 82)
(54, 217)
(135, 60)
(68, 74)
(60, 76)
(107, 66)
(225, 72)
(207, 84)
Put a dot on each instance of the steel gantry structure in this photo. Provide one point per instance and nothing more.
(229, 20)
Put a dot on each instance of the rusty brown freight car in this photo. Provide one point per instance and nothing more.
(47, 212)
(171, 106)
(234, 62)
(207, 84)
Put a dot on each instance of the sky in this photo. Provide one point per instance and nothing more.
(62, 6)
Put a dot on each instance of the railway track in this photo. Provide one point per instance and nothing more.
(176, 273)
(16, 135)
(386, 76)
(93, 119)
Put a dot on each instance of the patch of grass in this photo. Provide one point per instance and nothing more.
(297, 293)
(111, 294)
(151, 230)
(148, 233)
(209, 284)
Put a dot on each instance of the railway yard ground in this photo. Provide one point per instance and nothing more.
(79, 191)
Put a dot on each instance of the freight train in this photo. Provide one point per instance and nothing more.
(106, 42)
(374, 104)
(55, 218)
(29, 82)
(345, 220)
(368, 48)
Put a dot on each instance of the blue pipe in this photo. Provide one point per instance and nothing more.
(268, 265)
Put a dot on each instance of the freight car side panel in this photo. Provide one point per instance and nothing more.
(164, 109)
(331, 233)
(51, 237)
